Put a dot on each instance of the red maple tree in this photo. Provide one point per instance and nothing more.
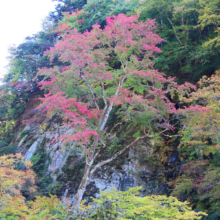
(131, 82)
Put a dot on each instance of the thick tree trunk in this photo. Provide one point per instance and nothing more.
(82, 187)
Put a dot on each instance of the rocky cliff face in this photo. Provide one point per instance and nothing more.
(141, 166)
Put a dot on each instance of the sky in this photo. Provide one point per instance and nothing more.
(19, 19)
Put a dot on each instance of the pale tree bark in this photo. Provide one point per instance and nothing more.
(82, 187)
(102, 163)
(88, 172)
(90, 169)
(109, 109)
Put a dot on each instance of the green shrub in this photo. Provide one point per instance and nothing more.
(10, 149)
(3, 143)
(128, 205)
(40, 165)
(24, 133)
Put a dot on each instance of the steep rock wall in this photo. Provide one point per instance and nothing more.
(140, 166)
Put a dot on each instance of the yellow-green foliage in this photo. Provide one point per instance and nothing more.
(199, 178)
(209, 15)
(200, 130)
(42, 208)
(128, 205)
(15, 176)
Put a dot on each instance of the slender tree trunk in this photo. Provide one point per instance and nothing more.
(82, 187)
(88, 173)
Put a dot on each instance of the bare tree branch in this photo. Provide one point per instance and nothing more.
(102, 163)
(93, 95)
(112, 103)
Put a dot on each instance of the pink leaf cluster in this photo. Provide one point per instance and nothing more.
(87, 56)
(81, 136)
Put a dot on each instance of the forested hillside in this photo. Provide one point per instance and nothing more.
(112, 111)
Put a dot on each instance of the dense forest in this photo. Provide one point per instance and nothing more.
(114, 89)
